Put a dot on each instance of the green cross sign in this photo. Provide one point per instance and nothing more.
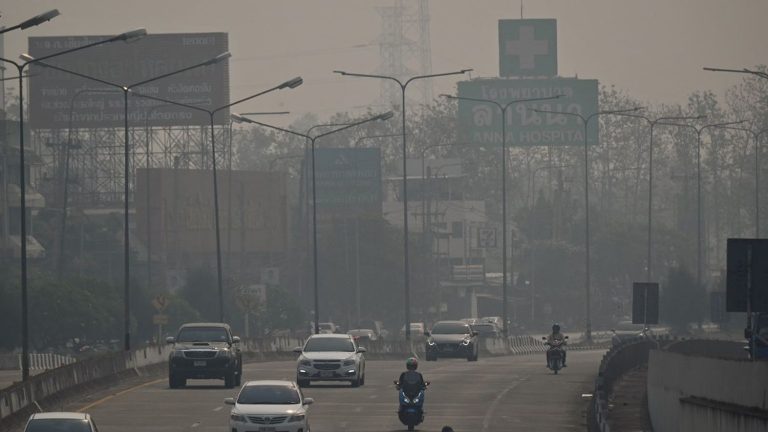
(528, 48)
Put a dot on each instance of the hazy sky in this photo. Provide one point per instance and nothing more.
(653, 49)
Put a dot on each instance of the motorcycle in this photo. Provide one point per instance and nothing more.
(411, 412)
(555, 354)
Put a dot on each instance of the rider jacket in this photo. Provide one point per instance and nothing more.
(411, 382)
(555, 337)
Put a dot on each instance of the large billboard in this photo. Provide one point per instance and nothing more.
(528, 48)
(348, 182)
(54, 96)
(252, 212)
(480, 122)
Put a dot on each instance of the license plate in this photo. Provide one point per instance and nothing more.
(267, 429)
(326, 374)
(199, 363)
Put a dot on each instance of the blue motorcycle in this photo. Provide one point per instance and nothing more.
(411, 412)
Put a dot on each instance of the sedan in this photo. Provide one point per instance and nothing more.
(330, 357)
(60, 422)
(269, 406)
(451, 339)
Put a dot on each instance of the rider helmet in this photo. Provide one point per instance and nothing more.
(411, 363)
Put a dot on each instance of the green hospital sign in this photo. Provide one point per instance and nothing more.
(480, 122)
(528, 48)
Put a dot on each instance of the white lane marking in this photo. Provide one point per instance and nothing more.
(373, 396)
(195, 424)
(495, 403)
(218, 408)
(343, 425)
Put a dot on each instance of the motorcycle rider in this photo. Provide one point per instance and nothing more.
(411, 380)
(556, 336)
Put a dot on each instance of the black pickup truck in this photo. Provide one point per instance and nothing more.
(205, 351)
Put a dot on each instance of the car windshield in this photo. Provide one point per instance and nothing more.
(450, 328)
(58, 425)
(329, 344)
(268, 395)
(202, 334)
(483, 328)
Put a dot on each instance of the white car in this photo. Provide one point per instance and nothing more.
(330, 357)
(60, 422)
(269, 406)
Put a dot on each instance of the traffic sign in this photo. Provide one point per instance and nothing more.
(480, 122)
(160, 319)
(747, 272)
(348, 182)
(486, 238)
(528, 48)
(645, 303)
(160, 302)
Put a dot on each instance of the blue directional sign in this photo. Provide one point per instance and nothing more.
(480, 122)
(528, 48)
(348, 181)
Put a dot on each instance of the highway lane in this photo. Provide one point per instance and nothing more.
(515, 393)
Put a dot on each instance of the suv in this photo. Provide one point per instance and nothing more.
(330, 357)
(451, 339)
(205, 351)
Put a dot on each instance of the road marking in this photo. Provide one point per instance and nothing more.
(195, 424)
(218, 408)
(489, 412)
(106, 398)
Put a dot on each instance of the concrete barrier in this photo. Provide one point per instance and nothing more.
(690, 392)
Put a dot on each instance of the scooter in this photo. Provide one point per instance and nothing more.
(411, 412)
(555, 354)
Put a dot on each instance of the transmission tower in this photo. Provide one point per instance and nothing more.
(405, 49)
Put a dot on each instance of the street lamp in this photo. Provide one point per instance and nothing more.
(312, 139)
(34, 21)
(742, 71)
(652, 123)
(292, 83)
(503, 108)
(756, 136)
(699, 131)
(403, 86)
(126, 89)
(22, 183)
(585, 122)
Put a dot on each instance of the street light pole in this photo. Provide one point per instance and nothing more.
(587, 279)
(403, 86)
(312, 139)
(503, 108)
(126, 89)
(652, 123)
(34, 21)
(23, 187)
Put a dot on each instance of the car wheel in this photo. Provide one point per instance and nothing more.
(355, 382)
(229, 380)
(362, 379)
(172, 382)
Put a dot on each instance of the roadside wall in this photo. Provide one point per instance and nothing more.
(687, 392)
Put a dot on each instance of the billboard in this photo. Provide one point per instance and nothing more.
(252, 213)
(747, 275)
(348, 182)
(54, 95)
(528, 48)
(480, 122)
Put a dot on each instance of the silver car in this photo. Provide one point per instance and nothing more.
(330, 357)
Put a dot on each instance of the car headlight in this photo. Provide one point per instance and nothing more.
(430, 342)
(177, 353)
(305, 362)
(466, 342)
(416, 400)
(225, 353)
(296, 418)
(239, 418)
(349, 362)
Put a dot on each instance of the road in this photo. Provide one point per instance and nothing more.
(516, 393)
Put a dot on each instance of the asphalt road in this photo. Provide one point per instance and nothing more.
(516, 393)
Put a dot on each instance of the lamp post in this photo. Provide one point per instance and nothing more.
(312, 139)
(503, 108)
(699, 131)
(23, 189)
(292, 83)
(403, 85)
(34, 21)
(742, 71)
(756, 134)
(587, 279)
(126, 89)
(652, 124)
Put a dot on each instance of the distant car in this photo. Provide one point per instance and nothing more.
(451, 339)
(496, 320)
(417, 330)
(469, 321)
(328, 328)
(486, 330)
(61, 422)
(269, 406)
(363, 335)
(376, 326)
(205, 351)
(330, 357)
